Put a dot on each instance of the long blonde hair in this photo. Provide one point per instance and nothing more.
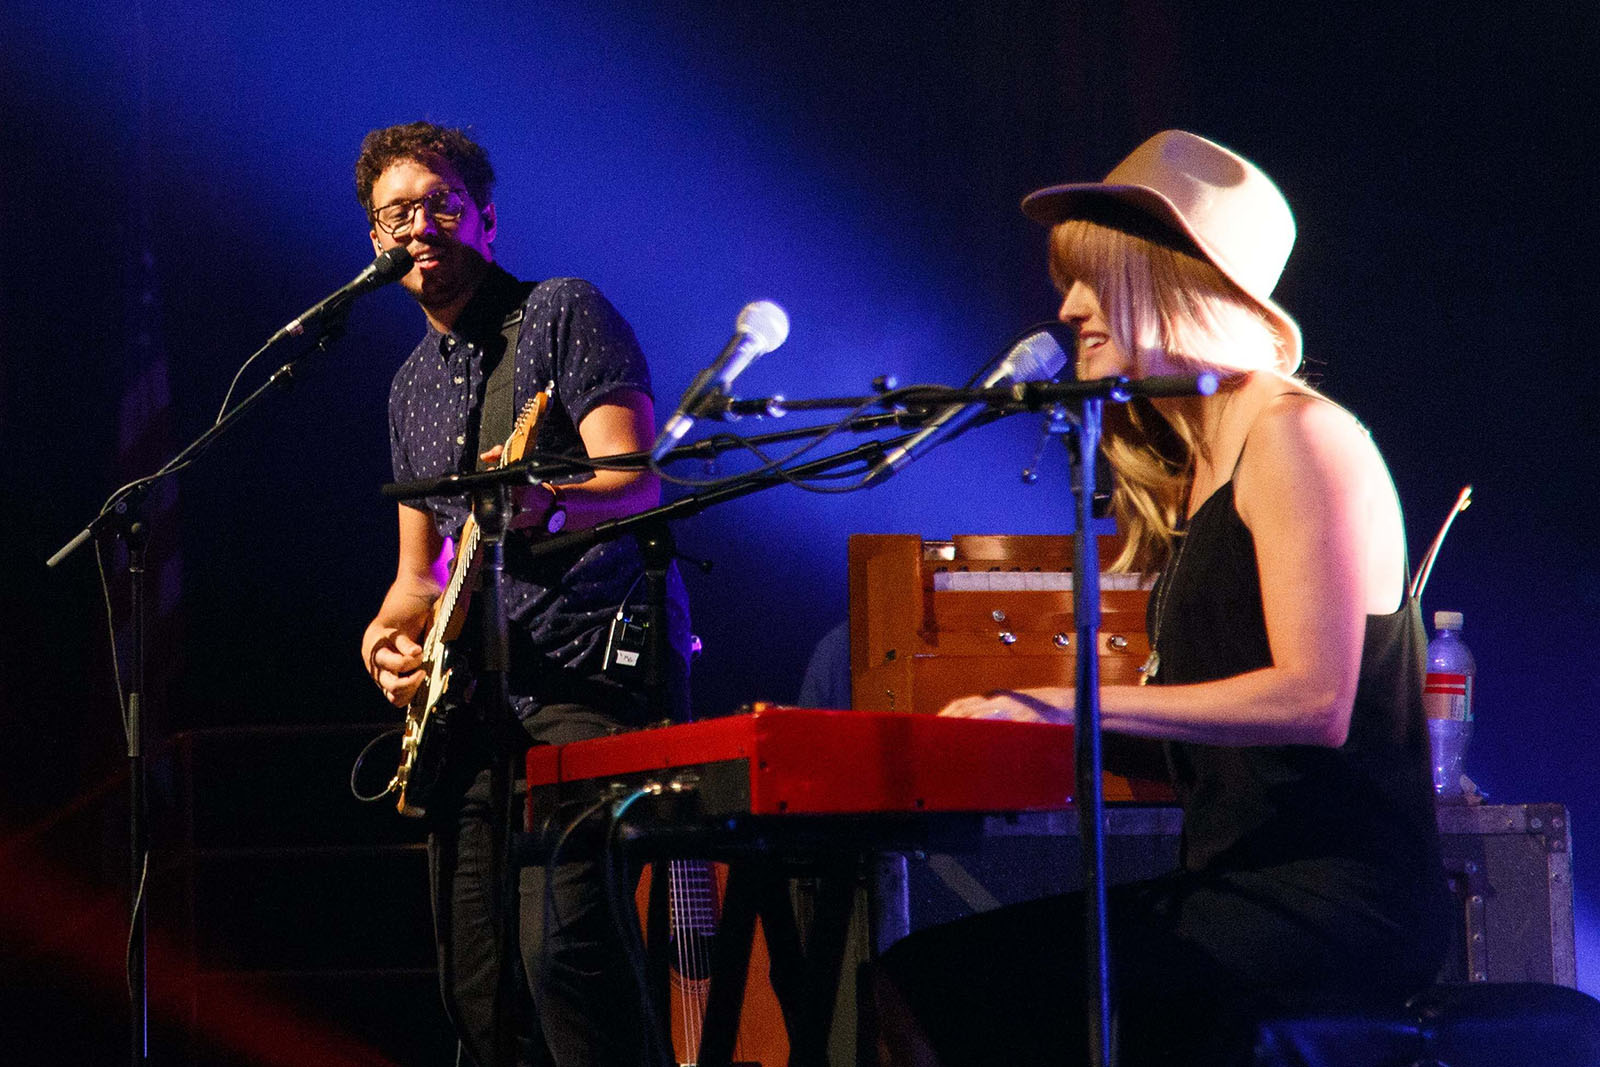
(1160, 299)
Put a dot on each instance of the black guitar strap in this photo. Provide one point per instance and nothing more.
(498, 413)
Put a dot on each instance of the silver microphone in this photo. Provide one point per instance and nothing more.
(1037, 357)
(760, 327)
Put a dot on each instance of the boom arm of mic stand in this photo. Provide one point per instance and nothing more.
(1034, 396)
(715, 445)
(695, 503)
(542, 469)
(108, 516)
(1026, 396)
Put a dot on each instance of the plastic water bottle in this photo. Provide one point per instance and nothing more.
(1447, 699)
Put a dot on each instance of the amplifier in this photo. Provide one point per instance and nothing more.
(1511, 868)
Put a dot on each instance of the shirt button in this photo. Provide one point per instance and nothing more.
(460, 380)
(461, 438)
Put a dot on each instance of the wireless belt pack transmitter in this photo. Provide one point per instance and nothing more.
(625, 644)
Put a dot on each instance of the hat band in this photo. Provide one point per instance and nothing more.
(1136, 222)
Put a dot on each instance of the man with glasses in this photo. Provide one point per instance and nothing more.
(428, 188)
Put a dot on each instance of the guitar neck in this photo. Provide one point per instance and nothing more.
(450, 610)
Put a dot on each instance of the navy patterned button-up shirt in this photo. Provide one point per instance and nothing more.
(560, 607)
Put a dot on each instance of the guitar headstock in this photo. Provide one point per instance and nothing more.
(522, 430)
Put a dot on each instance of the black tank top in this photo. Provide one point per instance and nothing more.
(1362, 814)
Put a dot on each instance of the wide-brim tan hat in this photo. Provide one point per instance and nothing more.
(1233, 212)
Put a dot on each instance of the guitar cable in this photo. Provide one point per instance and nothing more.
(552, 861)
(628, 927)
(361, 757)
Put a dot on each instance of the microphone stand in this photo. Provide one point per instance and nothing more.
(553, 469)
(1088, 764)
(1087, 761)
(122, 517)
(489, 511)
(282, 377)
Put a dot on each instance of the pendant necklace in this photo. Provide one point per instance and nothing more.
(1152, 663)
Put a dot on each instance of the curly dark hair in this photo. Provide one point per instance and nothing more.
(424, 142)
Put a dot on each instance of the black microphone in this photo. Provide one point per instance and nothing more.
(1037, 357)
(761, 327)
(389, 266)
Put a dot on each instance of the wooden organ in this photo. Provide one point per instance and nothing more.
(934, 620)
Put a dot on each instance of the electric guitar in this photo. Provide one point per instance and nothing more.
(423, 737)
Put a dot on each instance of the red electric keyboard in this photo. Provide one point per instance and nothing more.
(781, 791)
(805, 761)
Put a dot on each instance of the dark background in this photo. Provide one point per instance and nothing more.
(175, 184)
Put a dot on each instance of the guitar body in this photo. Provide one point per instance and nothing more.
(424, 737)
(424, 741)
(694, 906)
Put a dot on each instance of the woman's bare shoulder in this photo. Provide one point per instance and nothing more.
(1302, 445)
(1305, 424)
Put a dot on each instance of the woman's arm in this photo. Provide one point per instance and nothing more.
(1317, 499)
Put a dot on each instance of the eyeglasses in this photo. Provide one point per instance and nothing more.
(443, 205)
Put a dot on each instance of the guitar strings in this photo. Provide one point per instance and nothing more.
(694, 917)
(688, 961)
(676, 931)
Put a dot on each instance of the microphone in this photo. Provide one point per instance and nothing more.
(388, 267)
(1037, 357)
(760, 327)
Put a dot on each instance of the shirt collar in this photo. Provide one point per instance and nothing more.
(491, 302)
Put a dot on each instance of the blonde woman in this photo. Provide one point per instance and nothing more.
(1285, 679)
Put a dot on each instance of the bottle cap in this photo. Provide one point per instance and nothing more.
(1447, 620)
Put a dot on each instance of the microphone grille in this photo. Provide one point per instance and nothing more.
(392, 264)
(1037, 357)
(766, 322)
